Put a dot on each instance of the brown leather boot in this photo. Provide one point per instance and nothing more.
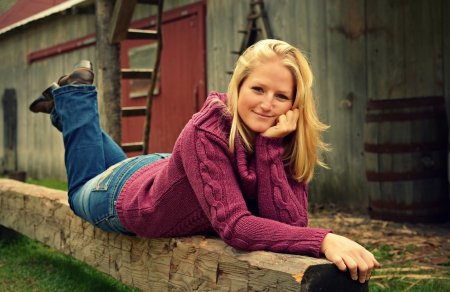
(42, 105)
(82, 74)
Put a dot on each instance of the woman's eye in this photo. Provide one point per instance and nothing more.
(258, 89)
(283, 97)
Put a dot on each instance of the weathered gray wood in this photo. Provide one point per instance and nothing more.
(344, 102)
(120, 20)
(196, 263)
(405, 160)
(404, 50)
(401, 64)
(109, 71)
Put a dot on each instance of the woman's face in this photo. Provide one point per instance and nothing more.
(265, 94)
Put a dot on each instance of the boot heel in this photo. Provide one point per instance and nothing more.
(48, 92)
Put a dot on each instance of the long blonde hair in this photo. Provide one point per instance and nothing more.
(300, 147)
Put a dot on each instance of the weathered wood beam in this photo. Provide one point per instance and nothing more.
(166, 264)
(121, 20)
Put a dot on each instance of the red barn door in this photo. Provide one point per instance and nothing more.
(181, 89)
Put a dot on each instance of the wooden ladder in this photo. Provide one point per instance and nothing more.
(257, 27)
(120, 30)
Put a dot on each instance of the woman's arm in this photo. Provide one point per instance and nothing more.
(208, 165)
(279, 198)
(273, 202)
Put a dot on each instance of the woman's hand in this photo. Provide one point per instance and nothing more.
(347, 254)
(286, 124)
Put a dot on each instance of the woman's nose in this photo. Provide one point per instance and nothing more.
(267, 103)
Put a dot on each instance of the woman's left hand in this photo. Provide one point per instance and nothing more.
(349, 255)
(286, 124)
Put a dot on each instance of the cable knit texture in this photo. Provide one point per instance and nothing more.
(249, 200)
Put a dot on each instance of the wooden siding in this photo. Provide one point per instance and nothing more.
(358, 50)
(40, 148)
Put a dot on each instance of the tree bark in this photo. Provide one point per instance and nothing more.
(108, 73)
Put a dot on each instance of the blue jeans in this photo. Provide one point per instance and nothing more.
(97, 168)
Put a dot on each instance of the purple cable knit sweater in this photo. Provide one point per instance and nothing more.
(204, 187)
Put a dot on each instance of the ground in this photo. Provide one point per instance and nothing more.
(400, 246)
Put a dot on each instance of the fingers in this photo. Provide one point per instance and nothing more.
(286, 124)
(349, 255)
(288, 121)
(338, 261)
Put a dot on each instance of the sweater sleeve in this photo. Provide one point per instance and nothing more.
(208, 165)
(279, 197)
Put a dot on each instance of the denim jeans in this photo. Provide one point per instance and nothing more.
(97, 168)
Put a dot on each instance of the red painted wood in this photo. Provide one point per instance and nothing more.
(24, 9)
(67, 47)
(183, 78)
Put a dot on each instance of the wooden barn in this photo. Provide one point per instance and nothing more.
(361, 52)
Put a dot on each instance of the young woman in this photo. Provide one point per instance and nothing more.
(239, 168)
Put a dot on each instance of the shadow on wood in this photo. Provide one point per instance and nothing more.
(196, 263)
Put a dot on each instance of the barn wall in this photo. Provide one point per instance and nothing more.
(40, 148)
(358, 50)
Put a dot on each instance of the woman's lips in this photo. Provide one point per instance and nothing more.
(262, 115)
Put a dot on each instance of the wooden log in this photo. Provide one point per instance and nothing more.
(196, 263)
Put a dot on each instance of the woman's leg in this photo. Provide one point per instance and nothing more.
(88, 150)
(112, 152)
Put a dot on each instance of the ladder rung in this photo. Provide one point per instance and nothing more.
(255, 2)
(253, 16)
(151, 2)
(141, 34)
(132, 147)
(134, 111)
(137, 73)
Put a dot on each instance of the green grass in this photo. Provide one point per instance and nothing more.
(400, 272)
(27, 265)
(53, 184)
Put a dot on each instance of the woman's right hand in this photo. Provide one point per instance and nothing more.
(286, 124)
(347, 254)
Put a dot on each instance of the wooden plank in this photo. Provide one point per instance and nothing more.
(385, 49)
(132, 147)
(137, 73)
(151, 2)
(423, 48)
(141, 34)
(345, 100)
(120, 20)
(197, 263)
(134, 111)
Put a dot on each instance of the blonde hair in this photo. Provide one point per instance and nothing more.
(300, 147)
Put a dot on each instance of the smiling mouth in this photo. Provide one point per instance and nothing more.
(262, 115)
